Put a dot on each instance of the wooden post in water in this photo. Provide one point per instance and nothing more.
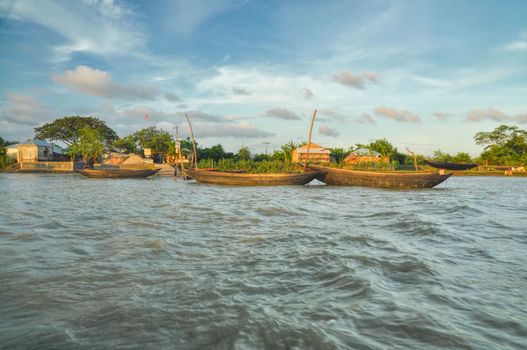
(309, 139)
(193, 143)
(179, 161)
(413, 155)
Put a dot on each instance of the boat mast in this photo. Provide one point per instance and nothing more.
(309, 140)
(193, 143)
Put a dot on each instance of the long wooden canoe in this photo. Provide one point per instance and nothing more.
(394, 180)
(239, 179)
(118, 173)
(451, 166)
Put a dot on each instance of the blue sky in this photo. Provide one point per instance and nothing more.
(424, 74)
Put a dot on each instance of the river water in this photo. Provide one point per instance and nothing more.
(163, 263)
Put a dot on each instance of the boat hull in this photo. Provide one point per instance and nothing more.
(237, 179)
(451, 166)
(391, 180)
(118, 173)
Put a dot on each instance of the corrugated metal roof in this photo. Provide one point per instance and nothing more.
(313, 150)
(36, 142)
(365, 152)
(56, 149)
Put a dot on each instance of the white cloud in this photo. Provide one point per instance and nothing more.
(282, 113)
(187, 16)
(238, 130)
(172, 97)
(324, 130)
(365, 118)
(94, 82)
(308, 94)
(100, 27)
(441, 115)
(357, 81)
(400, 116)
(240, 91)
(204, 116)
(521, 118)
(478, 115)
(519, 45)
(23, 109)
(332, 113)
(210, 130)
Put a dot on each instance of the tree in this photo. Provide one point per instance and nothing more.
(5, 143)
(338, 154)
(5, 160)
(156, 139)
(68, 129)
(244, 153)
(288, 148)
(385, 148)
(442, 157)
(215, 153)
(126, 144)
(462, 157)
(505, 145)
(90, 144)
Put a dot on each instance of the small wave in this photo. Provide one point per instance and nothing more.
(267, 212)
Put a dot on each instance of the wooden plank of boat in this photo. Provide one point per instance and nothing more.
(118, 173)
(451, 166)
(393, 180)
(240, 179)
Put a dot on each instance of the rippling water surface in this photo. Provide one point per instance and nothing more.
(161, 263)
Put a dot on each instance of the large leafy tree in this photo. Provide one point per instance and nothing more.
(126, 144)
(215, 153)
(89, 144)
(504, 145)
(68, 130)
(384, 147)
(156, 139)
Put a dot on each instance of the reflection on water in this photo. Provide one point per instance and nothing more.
(169, 264)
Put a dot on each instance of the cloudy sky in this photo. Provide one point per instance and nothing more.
(424, 74)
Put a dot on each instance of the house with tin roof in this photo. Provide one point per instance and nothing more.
(317, 154)
(34, 151)
(365, 155)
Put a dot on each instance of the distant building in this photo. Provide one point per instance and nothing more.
(364, 155)
(35, 151)
(115, 158)
(317, 154)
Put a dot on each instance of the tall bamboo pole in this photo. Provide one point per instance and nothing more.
(309, 139)
(193, 143)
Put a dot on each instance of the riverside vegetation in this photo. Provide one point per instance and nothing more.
(89, 138)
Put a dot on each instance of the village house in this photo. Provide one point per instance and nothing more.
(364, 155)
(35, 151)
(317, 154)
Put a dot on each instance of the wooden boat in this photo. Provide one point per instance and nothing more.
(241, 179)
(451, 166)
(118, 173)
(394, 180)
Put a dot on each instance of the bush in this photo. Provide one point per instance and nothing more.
(252, 167)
